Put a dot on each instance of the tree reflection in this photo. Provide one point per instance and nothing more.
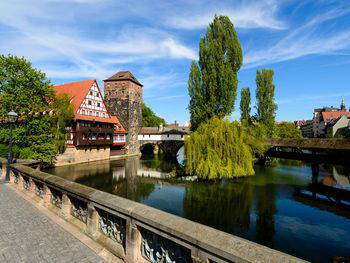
(225, 206)
(266, 210)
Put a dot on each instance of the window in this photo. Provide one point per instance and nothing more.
(90, 113)
(97, 114)
(89, 102)
(98, 104)
(83, 112)
(97, 95)
(91, 93)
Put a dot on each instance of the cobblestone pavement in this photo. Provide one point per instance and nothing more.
(27, 235)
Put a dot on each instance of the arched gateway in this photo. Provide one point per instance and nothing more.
(169, 140)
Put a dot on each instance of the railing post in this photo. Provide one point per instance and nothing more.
(32, 188)
(3, 169)
(66, 207)
(92, 221)
(12, 177)
(133, 242)
(47, 197)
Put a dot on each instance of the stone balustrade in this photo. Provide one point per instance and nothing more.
(135, 232)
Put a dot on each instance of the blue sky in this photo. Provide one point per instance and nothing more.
(307, 43)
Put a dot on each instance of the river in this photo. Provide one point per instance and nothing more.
(276, 207)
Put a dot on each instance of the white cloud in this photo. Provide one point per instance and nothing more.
(56, 39)
(178, 50)
(246, 14)
(302, 41)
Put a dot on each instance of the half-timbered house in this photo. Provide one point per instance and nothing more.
(94, 131)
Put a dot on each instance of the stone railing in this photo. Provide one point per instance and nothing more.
(136, 232)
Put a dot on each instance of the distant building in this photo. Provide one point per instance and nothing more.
(326, 116)
(336, 126)
(306, 127)
(172, 125)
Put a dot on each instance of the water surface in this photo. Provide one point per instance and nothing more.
(282, 207)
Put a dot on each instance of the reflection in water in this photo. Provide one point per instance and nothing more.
(279, 207)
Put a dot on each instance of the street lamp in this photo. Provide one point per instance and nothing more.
(12, 117)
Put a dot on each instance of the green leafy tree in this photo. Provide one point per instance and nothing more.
(220, 149)
(245, 104)
(27, 91)
(212, 83)
(265, 99)
(149, 118)
(287, 130)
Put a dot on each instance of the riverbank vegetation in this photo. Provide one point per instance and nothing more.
(40, 130)
(223, 149)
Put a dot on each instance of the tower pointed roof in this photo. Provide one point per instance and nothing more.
(342, 105)
(124, 75)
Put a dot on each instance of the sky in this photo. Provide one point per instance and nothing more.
(306, 43)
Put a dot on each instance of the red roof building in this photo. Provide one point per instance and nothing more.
(332, 115)
(92, 125)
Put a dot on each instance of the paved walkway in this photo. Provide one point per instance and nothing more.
(27, 235)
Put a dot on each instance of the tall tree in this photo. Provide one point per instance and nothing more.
(213, 81)
(245, 104)
(27, 91)
(265, 99)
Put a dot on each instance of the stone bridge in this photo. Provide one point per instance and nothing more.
(169, 140)
(129, 231)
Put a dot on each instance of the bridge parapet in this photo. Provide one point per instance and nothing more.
(312, 143)
(135, 232)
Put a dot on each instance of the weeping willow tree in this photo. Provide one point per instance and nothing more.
(220, 149)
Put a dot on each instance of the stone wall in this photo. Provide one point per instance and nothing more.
(135, 232)
(74, 155)
(123, 99)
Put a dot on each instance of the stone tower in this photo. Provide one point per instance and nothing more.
(123, 98)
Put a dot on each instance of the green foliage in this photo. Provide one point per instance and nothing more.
(265, 99)
(245, 104)
(220, 149)
(341, 133)
(287, 130)
(28, 92)
(149, 118)
(3, 150)
(212, 83)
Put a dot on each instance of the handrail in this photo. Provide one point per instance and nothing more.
(135, 232)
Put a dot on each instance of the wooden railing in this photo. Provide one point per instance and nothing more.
(135, 232)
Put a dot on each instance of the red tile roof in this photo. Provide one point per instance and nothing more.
(330, 115)
(77, 92)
